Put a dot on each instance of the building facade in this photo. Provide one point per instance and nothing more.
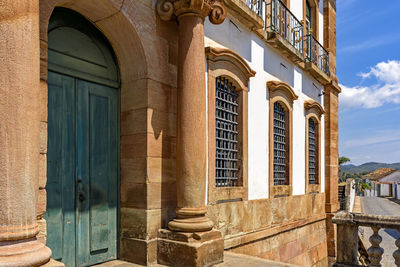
(167, 131)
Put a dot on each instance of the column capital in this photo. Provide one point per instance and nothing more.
(213, 9)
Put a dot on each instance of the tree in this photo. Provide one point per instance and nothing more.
(343, 160)
(343, 176)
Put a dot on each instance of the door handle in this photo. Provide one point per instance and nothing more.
(81, 191)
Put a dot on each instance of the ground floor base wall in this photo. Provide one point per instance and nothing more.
(288, 229)
(305, 246)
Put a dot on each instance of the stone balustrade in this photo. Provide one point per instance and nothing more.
(347, 237)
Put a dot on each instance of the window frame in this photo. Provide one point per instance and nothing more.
(222, 62)
(313, 110)
(281, 92)
(314, 6)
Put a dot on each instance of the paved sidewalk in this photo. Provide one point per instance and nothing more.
(382, 206)
(358, 207)
(230, 260)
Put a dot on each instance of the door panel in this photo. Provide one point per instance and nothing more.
(60, 214)
(97, 198)
(83, 142)
(82, 162)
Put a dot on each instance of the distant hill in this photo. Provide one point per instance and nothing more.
(368, 167)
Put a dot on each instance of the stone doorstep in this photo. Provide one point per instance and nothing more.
(53, 263)
(230, 260)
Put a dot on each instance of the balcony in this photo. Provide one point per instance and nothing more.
(284, 31)
(317, 59)
(280, 28)
(348, 238)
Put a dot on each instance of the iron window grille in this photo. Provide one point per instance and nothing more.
(280, 145)
(226, 116)
(312, 152)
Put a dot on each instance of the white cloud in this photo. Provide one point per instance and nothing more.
(385, 90)
(388, 72)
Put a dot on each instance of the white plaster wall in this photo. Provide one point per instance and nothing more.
(321, 22)
(269, 65)
(352, 195)
(384, 190)
(296, 7)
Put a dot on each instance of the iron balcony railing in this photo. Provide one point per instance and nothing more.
(256, 6)
(279, 19)
(317, 54)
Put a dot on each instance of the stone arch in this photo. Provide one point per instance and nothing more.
(106, 15)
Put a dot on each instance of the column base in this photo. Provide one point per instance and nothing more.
(23, 253)
(191, 224)
(190, 249)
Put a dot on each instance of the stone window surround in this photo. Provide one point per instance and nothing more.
(280, 92)
(313, 110)
(314, 17)
(227, 63)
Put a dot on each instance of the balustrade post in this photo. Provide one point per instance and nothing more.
(375, 252)
(396, 254)
(347, 239)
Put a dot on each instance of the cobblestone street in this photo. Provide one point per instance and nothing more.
(382, 206)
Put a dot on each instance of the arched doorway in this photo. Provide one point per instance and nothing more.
(83, 142)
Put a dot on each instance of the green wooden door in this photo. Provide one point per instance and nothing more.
(83, 143)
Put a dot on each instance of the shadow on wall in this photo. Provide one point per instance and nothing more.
(277, 65)
(232, 35)
(162, 167)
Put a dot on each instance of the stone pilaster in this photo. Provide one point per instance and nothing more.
(331, 127)
(331, 103)
(330, 35)
(191, 137)
(19, 134)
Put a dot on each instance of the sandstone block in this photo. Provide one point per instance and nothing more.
(41, 203)
(138, 251)
(43, 137)
(187, 249)
(42, 171)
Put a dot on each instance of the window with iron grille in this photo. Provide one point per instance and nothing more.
(312, 152)
(280, 145)
(226, 116)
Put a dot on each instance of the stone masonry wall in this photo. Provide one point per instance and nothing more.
(289, 229)
(305, 246)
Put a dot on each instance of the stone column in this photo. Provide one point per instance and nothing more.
(19, 134)
(191, 220)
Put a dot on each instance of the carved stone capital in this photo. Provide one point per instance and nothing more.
(213, 9)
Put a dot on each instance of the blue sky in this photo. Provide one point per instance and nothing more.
(368, 66)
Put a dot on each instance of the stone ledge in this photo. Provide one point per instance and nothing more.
(238, 240)
(318, 74)
(391, 222)
(281, 44)
(244, 14)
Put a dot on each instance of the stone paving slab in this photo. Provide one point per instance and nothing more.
(230, 260)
